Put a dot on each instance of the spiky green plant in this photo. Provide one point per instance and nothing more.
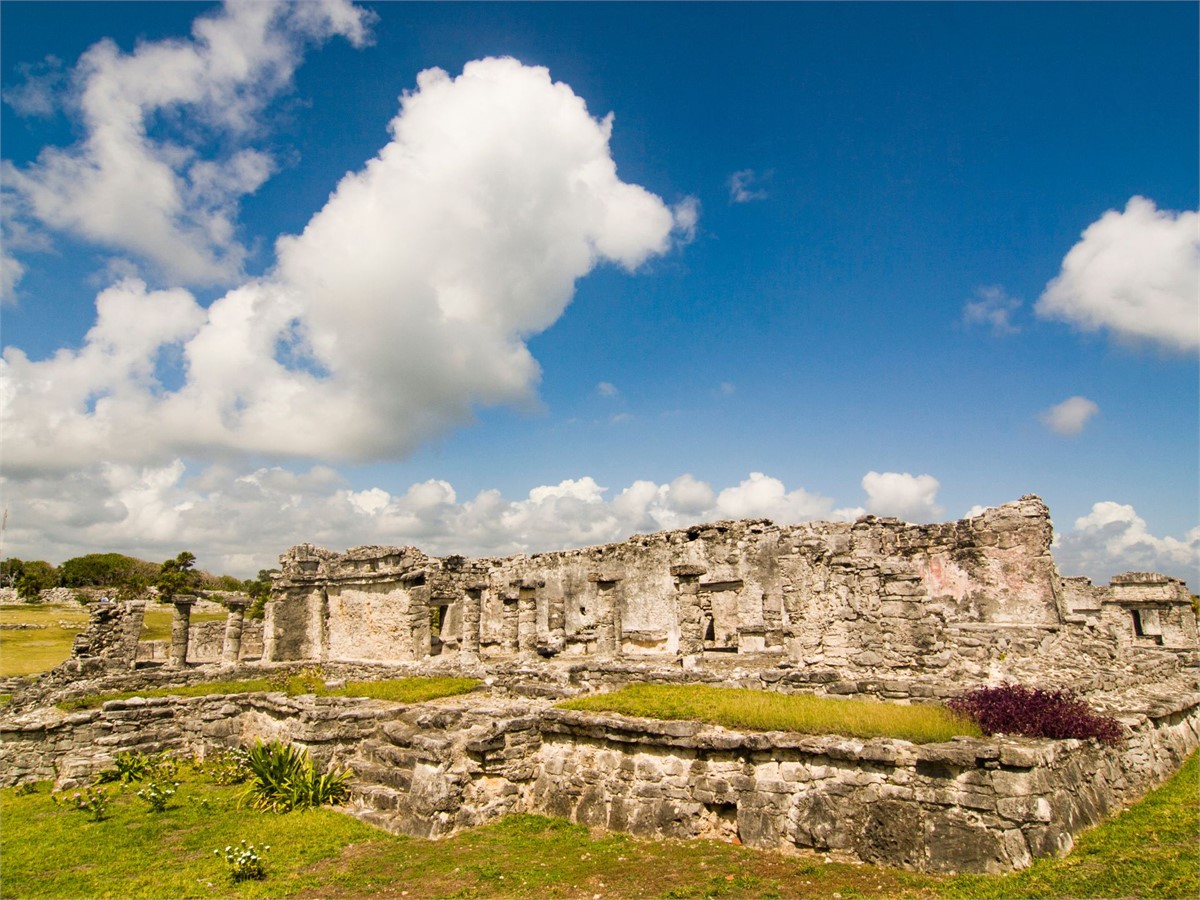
(286, 779)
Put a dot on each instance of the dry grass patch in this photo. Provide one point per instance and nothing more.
(771, 711)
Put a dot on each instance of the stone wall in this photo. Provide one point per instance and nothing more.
(964, 602)
(987, 805)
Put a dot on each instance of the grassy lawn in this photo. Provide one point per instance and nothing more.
(1149, 851)
(770, 711)
(156, 626)
(26, 651)
(399, 690)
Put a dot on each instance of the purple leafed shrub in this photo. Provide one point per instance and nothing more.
(1016, 709)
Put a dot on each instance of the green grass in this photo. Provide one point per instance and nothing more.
(398, 690)
(26, 651)
(1149, 851)
(771, 711)
(156, 626)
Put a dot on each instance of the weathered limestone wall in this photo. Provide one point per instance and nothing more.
(73, 747)
(964, 602)
(988, 804)
(206, 643)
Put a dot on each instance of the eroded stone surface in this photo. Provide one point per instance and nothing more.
(876, 608)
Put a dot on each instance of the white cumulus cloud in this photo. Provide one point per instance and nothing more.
(1135, 273)
(239, 521)
(135, 185)
(1113, 538)
(404, 304)
(904, 496)
(1069, 417)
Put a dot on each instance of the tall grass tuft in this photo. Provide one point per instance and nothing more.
(286, 779)
(772, 711)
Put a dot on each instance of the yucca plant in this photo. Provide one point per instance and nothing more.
(285, 779)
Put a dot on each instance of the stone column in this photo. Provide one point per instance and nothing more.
(527, 618)
(180, 623)
(608, 617)
(472, 622)
(232, 647)
(687, 611)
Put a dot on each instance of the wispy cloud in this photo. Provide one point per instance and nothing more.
(1069, 417)
(992, 308)
(607, 389)
(746, 185)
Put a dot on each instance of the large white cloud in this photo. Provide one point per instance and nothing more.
(904, 496)
(403, 305)
(1113, 538)
(1136, 273)
(240, 520)
(137, 186)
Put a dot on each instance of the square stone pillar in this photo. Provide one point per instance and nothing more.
(607, 615)
(688, 612)
(234, 623)
(472, 622)
(527, 636)
(181, 622)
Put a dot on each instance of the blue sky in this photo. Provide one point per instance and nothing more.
(824, 259)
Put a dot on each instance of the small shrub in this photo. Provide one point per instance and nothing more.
(1016, 709)
(285, 779)
(245, 861)
(25, 788)
(133, 766)
(157, 795)
(227, 765)
(93, 801)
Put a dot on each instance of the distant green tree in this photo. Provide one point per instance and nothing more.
(177, 576)
(260, 591)
(10, 570)
(36, 575)
(111, 570)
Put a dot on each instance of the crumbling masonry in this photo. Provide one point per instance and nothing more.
(875, 608)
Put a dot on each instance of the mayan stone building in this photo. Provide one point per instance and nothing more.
(969, 601)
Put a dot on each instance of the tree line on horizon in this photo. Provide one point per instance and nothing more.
(126, 577)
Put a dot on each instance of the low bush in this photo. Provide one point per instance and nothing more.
(92, 800)
(157, 795)
(133, 766)
(1016, 709)
(226, 765)
(286, 779)
(245, 861)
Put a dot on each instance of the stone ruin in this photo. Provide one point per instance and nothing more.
(875, 608)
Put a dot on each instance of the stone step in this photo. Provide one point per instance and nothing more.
(383, 775)
(376, 797)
